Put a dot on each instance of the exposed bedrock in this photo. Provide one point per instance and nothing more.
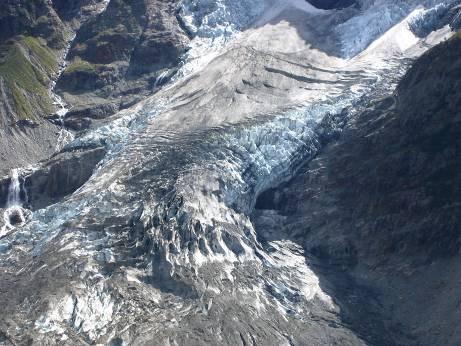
(122, 56)
(57, 178)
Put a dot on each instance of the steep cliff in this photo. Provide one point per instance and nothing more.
(121, 57)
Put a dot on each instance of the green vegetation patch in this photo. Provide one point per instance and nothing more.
(46, 56)
(23, 106)
(79, 65)
(26, 68)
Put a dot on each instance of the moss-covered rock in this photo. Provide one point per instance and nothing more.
(79, 65)
(27, 67)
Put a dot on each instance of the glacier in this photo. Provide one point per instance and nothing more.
(183, 169)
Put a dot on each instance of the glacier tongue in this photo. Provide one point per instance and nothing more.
(225, 168)
(235, 162)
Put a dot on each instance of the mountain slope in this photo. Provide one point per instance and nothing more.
(120, 57)
(33, 43)
(41, 52)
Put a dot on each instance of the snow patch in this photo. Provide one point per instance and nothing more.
(89, 313)
(290, 258)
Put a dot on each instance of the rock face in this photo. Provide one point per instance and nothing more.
(122, 56)
(295, 183)
(36, 18)
(61, 176)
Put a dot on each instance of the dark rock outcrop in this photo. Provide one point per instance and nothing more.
(34, 18)
(117, 57)
(59, 177)
(332, 4)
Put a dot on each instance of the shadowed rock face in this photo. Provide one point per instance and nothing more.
(332, 4)
(21, 17)
(69, 11)
(59, 177)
